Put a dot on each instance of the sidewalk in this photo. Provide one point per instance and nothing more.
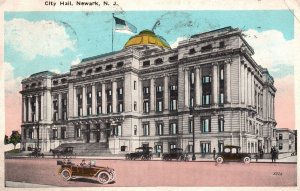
(289, 159)
(12, 184)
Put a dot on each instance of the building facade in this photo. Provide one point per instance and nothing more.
(150, 94)
(286, 140)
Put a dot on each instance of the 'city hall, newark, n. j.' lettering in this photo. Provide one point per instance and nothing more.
(148, 94)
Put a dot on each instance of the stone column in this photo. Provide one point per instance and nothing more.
(197, 86)
(70, 100)
(59, 106)
(103, 99)
(228, 80)
(94, 110)
(248, 88)
(141, 94)
(215, 84)
(36, 108)
(114, 96)
(186, 88)
(152, 96)
(24, 109)
(42, 107)
(252, 89)
(29, 109)
(84, 100)
(242, 82)
(166, 92)
(75, 103)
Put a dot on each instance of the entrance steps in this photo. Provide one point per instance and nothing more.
(88, 149)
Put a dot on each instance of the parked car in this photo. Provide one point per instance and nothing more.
(64, 152)
(232, 153)
(175, 153)
(70, 170)
(144, 153)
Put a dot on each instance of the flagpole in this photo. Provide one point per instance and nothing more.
(112, 33)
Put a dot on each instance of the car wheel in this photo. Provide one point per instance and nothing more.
(219, 160)
(66, 174)
(247, 160)
(103, 177)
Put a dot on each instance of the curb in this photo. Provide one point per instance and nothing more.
(13, 184)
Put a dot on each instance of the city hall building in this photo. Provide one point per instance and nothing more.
(149, 94)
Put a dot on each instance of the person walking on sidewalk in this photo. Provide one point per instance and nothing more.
(214, 154)
(273, 154)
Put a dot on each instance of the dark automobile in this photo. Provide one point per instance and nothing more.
(232, 153)
(63, 151)
(175, 153)
(145, 153)
(70, 170)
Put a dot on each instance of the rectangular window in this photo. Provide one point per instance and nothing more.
(89, 110)
(206, 99)
(220, 146)
(77, 132)
(205, 125)
(159, 89)
(54, 133)
(135, 130)
(63, 133)
(146, 129)
(172, 146)
(120, 91)
(159, 106)
(280, 136)
(146, 90)
(109, 92)
(191, 125)
(117, 131)
(99, 109)
(146, 106)
(120, 107)
(109, 108)
(221, 44)
(99, 94)
(173, 88)
(221, 124)
(221, 74)
(192, 78)
(221, 101)
(173, 128)
(158, 148)
(205, 147)
(280, 146)
(190, 147)
(159, 129)
(206, 79)
(173, 105)
(134, 85)
(146, 63)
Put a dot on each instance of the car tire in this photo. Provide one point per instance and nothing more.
(219, 160)
(66, 174)
(246, 160)
(103, 177)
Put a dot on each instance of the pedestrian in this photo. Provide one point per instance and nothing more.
(256, 157)
(261, 154)
(272, 154)
(214, 154)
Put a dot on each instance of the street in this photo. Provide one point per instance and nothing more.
(157, 173)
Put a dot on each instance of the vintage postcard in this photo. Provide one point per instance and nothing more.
(149, 94)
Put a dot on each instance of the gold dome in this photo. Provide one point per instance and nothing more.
(147, 37)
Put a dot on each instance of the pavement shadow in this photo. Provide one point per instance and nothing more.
(88, 180)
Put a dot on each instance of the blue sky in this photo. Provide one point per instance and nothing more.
(90, 32)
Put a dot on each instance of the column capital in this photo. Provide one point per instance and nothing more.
(166, 75)
(186, 69)
(214, 63)
(228, 61)
(197, 67)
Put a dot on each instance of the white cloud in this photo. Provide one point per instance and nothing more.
(175, 44)
(55, 71)
(12, 84)
(272, 49)
(76, 61)
(44, 38)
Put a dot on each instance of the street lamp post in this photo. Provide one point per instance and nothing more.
(193, 124)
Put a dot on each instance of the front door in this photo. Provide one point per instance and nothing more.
(88, 131)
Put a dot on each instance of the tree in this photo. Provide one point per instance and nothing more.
(15, 138)
(6, 140)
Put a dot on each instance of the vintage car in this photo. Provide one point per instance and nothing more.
(69, 170)
(232, 153)
(63, 151)
(144, 153)
(175, 153)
